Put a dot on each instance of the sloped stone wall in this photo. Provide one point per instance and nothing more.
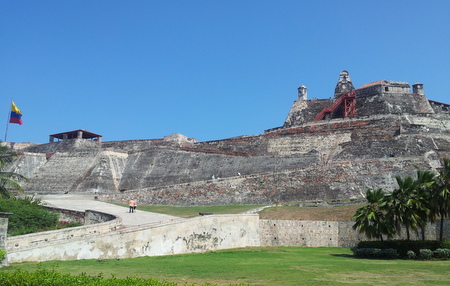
(318, 182)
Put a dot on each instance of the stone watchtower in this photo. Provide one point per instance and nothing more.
(418, 88)
(302, 93)
(344, 84)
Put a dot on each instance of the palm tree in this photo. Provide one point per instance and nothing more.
(8, 180)
(425, 185)
(440, 197)
(371, 219)
(403, 205)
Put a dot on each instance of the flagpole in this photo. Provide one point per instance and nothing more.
(7, 121)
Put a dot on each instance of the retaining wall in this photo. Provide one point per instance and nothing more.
(97, 224)
(327, 233)
(212, 232)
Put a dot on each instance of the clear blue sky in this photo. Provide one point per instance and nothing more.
(207, 69)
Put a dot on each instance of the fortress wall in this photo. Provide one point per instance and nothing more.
(28, 164)
(341, 180)
(199, 234)
(63, 146)
(107, 170)
(105, 174)
(251, 145)
(63, 172)
(167, 167)
(326, 233)
(299, 233)
(370, 101)
(303, 111)
(133, 145)
(323, 143)
(392, 103)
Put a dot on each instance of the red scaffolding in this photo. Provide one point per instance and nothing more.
(348, 103)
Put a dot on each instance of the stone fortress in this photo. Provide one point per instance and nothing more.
(327, 149)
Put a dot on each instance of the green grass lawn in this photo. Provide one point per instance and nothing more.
(188, 212)
(263, 266)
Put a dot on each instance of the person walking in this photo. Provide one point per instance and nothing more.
(132, 203)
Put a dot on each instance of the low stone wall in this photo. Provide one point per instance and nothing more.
(212, 232)
(326, 233)
(55, 238)
(68, 215)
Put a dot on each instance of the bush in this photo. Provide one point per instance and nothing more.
(28, 215)
(2, 254)
(410, 254)
(444, 244)
(425, 254)
(43, 277)
(390, 253)
(442, 253)
(375, 253)
(402, 246)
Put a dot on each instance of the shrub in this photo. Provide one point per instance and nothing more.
(28, 215)
(390, 253)
(375, 253)
(2, 254)
(442, 253)
(402, 246)
(445, 244)
(410, 254)
(50, 278)
(425, 254)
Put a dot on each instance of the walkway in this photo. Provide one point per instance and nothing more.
(80, 202)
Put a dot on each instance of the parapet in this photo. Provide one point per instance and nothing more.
(383, 87)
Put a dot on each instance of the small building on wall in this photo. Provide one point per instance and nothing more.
(76, 134)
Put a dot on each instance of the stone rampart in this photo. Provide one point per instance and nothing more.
(307, 150)
(97, 223)
(166, 167)
(329, 181)
(212, 232)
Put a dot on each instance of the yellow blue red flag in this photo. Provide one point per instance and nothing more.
(16, 114)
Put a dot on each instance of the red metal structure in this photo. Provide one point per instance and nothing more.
(348, 103)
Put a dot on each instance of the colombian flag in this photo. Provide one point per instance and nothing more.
(16, 114)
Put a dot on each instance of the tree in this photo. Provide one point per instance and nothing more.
(407, 204)
(425, 184)
(371, 219)
(440, 197)
(8, 180)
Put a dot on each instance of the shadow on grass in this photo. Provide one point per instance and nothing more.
(344, 255)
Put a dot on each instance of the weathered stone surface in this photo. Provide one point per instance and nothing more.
(199, 234)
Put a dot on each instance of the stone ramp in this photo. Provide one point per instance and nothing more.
(81, 202)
